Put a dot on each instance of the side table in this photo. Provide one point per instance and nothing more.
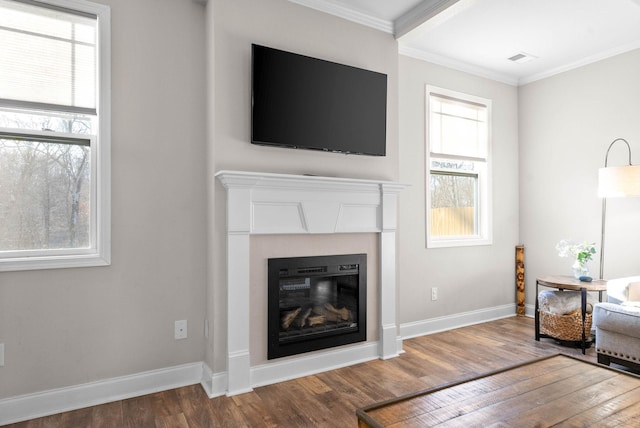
(565, 282)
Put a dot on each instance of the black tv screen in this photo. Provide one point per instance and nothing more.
(308, 103)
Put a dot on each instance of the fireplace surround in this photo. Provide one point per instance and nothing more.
(277, 204)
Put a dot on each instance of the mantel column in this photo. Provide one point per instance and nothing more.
(390, 342)
(238, 259)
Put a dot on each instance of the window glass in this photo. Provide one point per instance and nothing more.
(454, 198)
(47, 55)
(45, 196)
(458, 128)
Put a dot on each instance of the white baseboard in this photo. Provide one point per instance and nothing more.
(530, 310)
(300, 366)
(207, 380)
(435, 325)
(30, 406)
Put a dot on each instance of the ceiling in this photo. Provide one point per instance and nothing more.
(478, 36)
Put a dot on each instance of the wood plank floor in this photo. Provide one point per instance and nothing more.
(559, 390)
(329, 399)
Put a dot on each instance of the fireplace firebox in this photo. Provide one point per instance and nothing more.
(316, 303)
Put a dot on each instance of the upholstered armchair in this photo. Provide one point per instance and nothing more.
(617, 323)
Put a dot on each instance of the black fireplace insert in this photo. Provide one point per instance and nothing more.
(316, 302)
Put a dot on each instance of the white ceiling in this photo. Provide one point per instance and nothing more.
(478, 36)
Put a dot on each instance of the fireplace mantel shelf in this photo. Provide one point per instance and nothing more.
(290, 181)
(267, 203)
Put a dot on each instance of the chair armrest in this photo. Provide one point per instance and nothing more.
(617, 318)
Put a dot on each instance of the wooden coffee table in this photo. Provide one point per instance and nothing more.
(549, 391)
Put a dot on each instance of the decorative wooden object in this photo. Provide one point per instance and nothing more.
(552, 391)
(520, 280)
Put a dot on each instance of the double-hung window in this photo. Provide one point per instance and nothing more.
(54, 134)
(458, 169)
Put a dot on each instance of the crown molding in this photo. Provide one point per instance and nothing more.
(456, 65)
(581, 63)
(327, 6)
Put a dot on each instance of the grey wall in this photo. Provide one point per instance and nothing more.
(566, 125)
(70, 326)
(468, 278)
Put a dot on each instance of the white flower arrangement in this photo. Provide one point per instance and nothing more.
(581, 252)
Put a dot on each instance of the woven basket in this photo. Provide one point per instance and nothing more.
(566, 327)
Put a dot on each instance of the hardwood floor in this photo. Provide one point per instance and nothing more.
(329, 399)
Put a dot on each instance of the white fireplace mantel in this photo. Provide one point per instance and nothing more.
(264, 203)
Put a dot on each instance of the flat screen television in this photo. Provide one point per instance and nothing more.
(308, 103)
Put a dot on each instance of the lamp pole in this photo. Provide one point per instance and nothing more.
(604, 205)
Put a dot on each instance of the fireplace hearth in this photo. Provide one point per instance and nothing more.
(315, 303)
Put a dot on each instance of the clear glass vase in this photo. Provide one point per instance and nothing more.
(580, 269)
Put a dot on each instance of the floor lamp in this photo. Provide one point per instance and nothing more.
(615, 181)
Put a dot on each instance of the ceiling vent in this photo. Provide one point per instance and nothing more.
(522, 57)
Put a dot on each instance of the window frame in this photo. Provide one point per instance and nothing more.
(484, 194)
(99, 253)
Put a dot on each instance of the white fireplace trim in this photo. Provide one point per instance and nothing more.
(265, 203)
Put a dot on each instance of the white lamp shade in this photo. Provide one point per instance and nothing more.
(619, 181)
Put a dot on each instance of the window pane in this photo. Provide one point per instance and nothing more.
(453, 204)
(462, 137)
(67, 123)
(457, 127)
(47, 55)
(45, 195)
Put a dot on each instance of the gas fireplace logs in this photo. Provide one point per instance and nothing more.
(318, 315)
(343, 312)
(288, 318)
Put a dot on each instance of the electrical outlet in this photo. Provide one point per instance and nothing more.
(434, 293)
(1, 354)
(181, 329)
